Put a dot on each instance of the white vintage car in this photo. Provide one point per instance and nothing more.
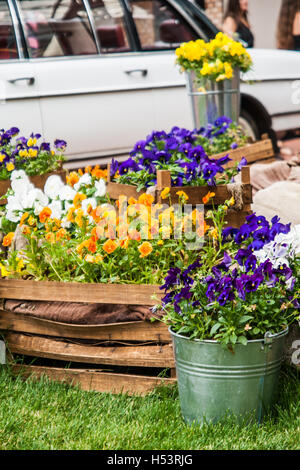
(101, 74)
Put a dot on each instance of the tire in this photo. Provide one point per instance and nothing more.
(250, 128)
(248, 124)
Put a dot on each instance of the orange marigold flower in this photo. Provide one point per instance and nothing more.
(62, 233)
(145, 249)
(45, 214)
(88, 169)
(50, 237)
(124, 243)
(146, 199)
(98, 173)
(70, 214)
(131, 201)
(208, 196)
(80, 172)
(23, 218)
(98, 258)
(72, 178)
(78, 199)
(7, 240)
(26, 230)
(110, 246)
(94, 234)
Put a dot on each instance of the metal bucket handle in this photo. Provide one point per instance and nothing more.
(268, 338)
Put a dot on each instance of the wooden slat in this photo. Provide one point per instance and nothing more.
(124, 294)
(96, 380)
(115, 190)
(252, 152)
(135, 356)
(129, 331)
(222, 193)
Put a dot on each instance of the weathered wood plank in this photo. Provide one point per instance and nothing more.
(124, 294)
(222, 193)
(129, 331)
(96, 380)
(135, 356)
(115, 190)
(252, 152)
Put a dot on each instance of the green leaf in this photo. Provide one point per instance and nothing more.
(244, 319)
(215, 328)
(243, 340)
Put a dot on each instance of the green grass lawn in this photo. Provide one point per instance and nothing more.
(44, 415)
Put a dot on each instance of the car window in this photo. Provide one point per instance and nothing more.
(159, 26)
(56, 28)
(8, 46)
(110, 25)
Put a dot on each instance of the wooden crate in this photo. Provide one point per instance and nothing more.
(133, 345)
(38, 181)
(235, 218)
(254, 152)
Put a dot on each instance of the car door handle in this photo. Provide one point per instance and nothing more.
(29, 80)
(142, 72)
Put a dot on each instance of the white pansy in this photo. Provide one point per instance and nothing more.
(84, 180)
(33, 198)
(53, 186)
(67, 193)
(56, 209)
(18, 174)
(21, 188)
(100, 188)
(87, 202)
(13, 216)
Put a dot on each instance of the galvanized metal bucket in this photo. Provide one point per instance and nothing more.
(214, 382)
(210, 99)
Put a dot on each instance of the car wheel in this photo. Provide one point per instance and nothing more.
(248, 125)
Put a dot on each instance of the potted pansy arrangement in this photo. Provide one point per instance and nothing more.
(28, 154)
(228, 315)
(186, 154)
(213, 72)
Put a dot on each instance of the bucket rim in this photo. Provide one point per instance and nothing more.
(268, 337)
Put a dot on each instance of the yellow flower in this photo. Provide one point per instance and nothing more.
(10, 166)
(4, 271)
(2, 156)
(182, 195)
(31, 142)
(23, 153)
(20, 265)
(31, 221)
(23, 218)
(165, 193)
(32, 153)
(160, 242)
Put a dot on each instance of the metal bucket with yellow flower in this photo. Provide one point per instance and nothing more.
(213, 77)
